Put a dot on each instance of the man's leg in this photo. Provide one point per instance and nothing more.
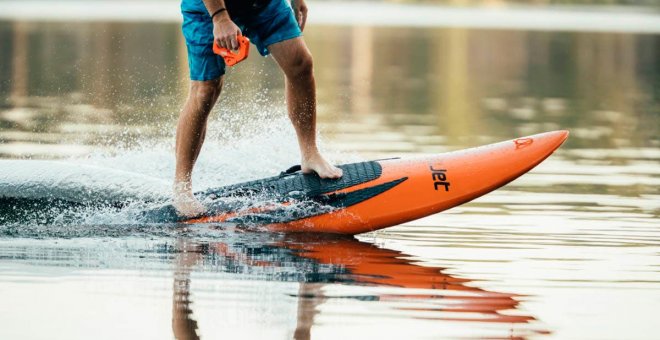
(296, 61)
(190, 133)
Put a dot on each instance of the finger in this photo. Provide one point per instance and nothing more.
(298, 18)
(304, 20)
(228, 43)
(234, 42)
(219, 42)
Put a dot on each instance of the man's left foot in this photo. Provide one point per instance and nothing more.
(184, 202)
(322, 167)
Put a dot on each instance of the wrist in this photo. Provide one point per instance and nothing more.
(220, 15)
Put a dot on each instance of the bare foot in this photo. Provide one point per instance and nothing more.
(185, 202)
(318, 164)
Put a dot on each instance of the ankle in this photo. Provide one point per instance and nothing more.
(182, 186)
(310, 153)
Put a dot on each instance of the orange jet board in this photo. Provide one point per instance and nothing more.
(378, 194)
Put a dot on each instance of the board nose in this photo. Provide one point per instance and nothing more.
(501, 162)
(548, 139)
(552, 139)
(561, 135)
(531, 150)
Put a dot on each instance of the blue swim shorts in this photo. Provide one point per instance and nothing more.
(271, 24)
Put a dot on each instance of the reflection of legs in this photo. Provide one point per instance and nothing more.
(309, 296)
(296, 61)
(190, 134)
(184, 326)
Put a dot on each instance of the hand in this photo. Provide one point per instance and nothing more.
(300, 11)
(225, 31)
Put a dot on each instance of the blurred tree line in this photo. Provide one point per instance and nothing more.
(650, 3)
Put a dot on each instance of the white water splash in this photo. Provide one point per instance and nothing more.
(239, 146)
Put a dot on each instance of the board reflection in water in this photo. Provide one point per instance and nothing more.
(391, 280)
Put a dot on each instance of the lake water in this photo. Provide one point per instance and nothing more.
(570, 250)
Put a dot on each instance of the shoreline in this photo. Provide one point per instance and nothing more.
(613, 19)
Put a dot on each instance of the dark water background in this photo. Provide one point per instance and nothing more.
(570, 250)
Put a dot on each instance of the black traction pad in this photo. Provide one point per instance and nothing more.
(299, 184)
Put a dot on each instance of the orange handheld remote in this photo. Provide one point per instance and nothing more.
(229, 56)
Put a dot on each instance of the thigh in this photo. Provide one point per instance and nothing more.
(291, 54)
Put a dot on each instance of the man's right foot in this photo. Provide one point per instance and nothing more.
(316, 163)
(185, 203)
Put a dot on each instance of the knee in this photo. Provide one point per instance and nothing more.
(302, 67)
(205, 93)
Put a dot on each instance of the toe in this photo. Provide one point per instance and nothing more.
(335, 172)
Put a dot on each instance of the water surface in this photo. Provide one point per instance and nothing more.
(569, 250)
